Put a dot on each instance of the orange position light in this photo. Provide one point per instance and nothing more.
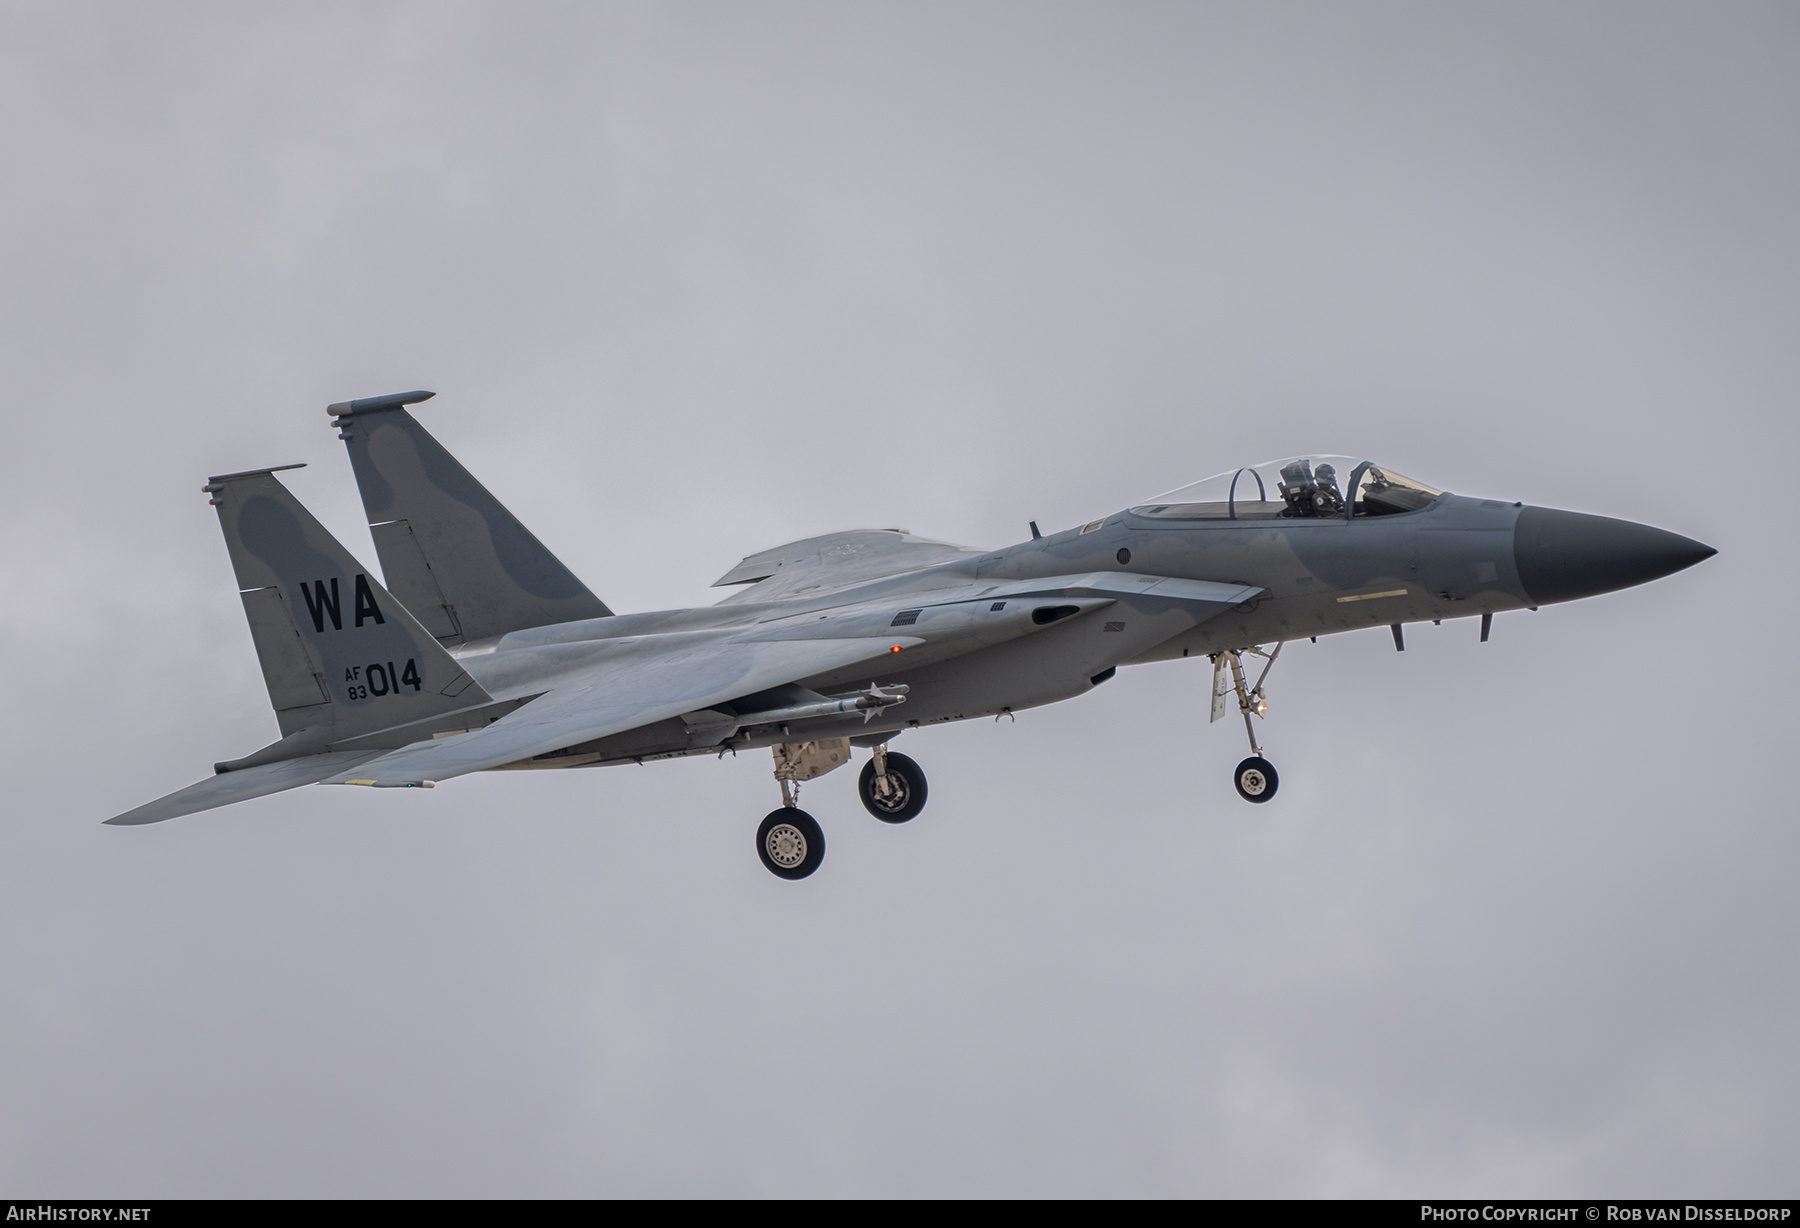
(895, 648)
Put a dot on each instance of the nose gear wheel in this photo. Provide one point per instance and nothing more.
(1256, 779)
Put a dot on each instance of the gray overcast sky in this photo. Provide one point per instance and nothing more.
(694, 280)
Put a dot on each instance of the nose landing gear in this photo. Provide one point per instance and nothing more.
(1255, 777)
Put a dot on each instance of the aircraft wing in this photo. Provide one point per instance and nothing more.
(603, 701)
(836, 561)
(241, 786)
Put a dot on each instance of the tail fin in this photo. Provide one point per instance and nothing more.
(450, 551)
(341, 657)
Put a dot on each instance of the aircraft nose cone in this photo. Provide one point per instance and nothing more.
(1562, 556)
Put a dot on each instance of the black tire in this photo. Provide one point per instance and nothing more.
(906, 796)
(790, 843)
(1256, 779)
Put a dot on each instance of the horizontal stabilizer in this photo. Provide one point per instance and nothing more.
(241, 786)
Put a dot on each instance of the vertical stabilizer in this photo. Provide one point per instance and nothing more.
(340, 656)
(451, 552)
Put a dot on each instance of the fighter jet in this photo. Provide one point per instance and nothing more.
(477, 650)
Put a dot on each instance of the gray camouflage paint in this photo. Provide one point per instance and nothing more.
(984, 633)
(450, 551)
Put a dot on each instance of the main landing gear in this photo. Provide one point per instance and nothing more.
(892, 787)
(790, 841)
(1255, 777)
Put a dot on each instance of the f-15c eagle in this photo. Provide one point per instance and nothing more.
(476, 649)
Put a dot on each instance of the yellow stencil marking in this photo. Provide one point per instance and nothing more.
(1393, 592)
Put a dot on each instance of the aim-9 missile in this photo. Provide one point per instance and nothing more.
(867, 702)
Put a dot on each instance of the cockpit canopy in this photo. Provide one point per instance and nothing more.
(1299, 487)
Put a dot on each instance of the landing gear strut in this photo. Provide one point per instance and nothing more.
(1255, 777)
(789, 841)
(892, 787)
